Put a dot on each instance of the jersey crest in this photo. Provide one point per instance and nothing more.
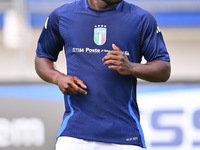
(100, 32)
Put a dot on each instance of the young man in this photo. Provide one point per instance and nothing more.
(104, 41)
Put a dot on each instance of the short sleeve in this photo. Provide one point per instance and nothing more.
(152, 43)
(50, 42)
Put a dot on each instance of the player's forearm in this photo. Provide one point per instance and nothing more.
(46, 71)
(156, 71)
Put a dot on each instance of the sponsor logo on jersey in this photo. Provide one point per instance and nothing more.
(100, 34)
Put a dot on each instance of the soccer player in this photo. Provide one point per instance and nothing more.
(104, 41)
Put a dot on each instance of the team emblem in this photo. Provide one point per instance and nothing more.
(100, 34)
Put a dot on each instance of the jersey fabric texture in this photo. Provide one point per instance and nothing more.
(109, 112)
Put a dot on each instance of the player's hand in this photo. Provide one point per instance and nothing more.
(117, 60)
(71, 85)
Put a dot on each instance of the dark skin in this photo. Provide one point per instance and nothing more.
(68, 84)
(155, 71)
(103, 4)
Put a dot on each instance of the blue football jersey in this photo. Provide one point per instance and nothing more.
(109, 112)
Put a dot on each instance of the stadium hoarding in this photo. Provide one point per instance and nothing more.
(28, 120)
(171, 117)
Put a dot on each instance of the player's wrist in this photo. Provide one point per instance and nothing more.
(132, 69)
(57, 76)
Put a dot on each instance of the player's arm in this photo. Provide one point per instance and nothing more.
(50, 44)
(68, 84)
(152, 47)
(154, 71)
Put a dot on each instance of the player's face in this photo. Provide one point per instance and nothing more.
(111, 2)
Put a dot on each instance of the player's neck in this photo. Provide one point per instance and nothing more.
(100, 4)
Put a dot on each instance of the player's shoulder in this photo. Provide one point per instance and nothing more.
(63, 9)
(138, 11)
(69, 7)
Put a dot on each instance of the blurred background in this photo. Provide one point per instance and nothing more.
(31, 110)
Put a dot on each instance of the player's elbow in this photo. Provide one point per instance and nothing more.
(166, 72)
